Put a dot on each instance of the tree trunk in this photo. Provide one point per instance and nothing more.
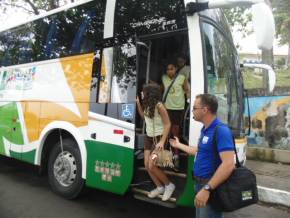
(287, 63)
(267, 58)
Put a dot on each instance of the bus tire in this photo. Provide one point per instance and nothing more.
(65, 169)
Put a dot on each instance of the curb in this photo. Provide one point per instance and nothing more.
(274, 196)
(268, 155)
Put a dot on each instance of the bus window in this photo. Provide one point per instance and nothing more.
(51, 40)
(148, 16)
(25, 45)
(118, 74)
(95, 76)
(106, 74)
(81, 42)
(9, 48)
(124, 74)
(39, 30)
(75, 31)
(221, 74)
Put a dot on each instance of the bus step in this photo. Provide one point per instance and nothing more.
(168, 172)
(141, 183)
(141, 194)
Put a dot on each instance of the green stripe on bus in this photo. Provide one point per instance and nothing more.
(109, 166)
(10, 127)
(29, 156)
(188, 195)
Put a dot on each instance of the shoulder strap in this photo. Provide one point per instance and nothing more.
(169, 87)
(215, 146)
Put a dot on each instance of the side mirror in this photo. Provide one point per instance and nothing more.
(264, 26)
(270, 71)
(263, 19)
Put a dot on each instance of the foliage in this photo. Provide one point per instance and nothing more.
(31, 6)
(239, 17)
(282, 19)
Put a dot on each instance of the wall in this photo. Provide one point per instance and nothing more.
(270, 119)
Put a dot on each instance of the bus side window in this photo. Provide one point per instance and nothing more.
(117, 85)
(51, 40)
(82, 43)
(124, 74)
(118, 74)
(11, 47)
(6, 46)
(221, 74)
(94, 106)
(25, 45)
(106, 74)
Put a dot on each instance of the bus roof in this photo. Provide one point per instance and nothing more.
(45, 14)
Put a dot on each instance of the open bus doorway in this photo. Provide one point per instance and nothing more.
(153, 55)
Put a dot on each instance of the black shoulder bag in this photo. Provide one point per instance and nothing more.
(239, 190)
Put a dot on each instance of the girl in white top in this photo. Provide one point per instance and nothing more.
(157, 129)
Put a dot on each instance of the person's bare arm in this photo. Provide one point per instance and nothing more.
(191, 150)
(166, 125)
(224, 170)
(222, 173)
(186, 89)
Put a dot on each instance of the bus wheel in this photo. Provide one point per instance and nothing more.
(65, 169)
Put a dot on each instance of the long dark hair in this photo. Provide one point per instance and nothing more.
(152, 95)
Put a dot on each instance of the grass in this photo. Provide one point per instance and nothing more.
(253, 80)
(283, 78)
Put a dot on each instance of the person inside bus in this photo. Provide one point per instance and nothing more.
(175, 88)
(157, 130)
(182, 68)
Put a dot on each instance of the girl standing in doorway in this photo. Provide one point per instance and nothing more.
(175, 88)
(157, 129)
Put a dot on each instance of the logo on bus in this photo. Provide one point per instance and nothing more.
(17, 79)
(108, 170)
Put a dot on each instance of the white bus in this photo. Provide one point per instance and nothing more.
(69, 79)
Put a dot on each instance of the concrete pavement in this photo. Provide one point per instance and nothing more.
(273, 181)
(23, 194)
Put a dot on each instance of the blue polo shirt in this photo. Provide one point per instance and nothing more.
(206, 161)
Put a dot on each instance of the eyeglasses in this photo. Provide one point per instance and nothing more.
(196, 108)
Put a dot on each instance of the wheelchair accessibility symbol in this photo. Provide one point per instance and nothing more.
(127, 111)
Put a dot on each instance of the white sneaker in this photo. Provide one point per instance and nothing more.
(155, 192)
(169, 189)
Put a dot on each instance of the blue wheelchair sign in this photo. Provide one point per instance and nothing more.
(128, 111)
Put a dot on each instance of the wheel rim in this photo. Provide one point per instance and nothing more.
(65, 168)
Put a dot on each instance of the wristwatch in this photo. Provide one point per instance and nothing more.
(207, 187)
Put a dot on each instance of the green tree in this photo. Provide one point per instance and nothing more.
(241, 16)
(31, 6)
(282, 20)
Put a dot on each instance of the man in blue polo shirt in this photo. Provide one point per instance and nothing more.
(212, 167)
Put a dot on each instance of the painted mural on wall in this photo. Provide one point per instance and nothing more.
(270, 119)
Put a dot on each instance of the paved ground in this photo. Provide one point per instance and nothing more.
(271, 175)
(23, 194)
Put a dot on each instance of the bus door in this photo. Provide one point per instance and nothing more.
(154, 53)
(110, 147)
